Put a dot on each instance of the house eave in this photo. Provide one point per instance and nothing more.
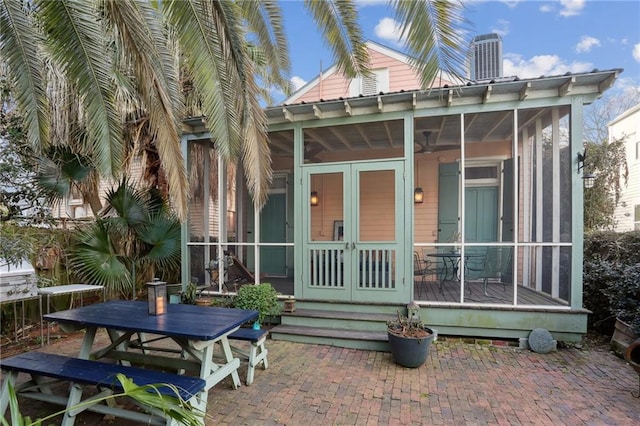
(589, 86)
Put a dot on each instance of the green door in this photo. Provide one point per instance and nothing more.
(481, 214)
(354, 236)
(448, 202)
(273, 227)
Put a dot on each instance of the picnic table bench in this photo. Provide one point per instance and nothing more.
(88, 372)
(257, 352)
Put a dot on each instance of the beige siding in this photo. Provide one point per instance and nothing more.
(628, 127)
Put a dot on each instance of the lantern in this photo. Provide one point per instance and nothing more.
(157, 297)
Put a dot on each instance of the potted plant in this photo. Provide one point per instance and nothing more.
(190, 294)
(409, 338)
(262, 297)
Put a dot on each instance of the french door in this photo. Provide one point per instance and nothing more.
(354, 234)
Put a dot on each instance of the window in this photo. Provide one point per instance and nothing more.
(636, 218)
(377, 82)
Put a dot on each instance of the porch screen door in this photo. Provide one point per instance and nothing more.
(354, 235)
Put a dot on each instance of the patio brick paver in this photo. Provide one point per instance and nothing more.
(461, 383)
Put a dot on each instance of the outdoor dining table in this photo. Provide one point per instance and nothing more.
(195, 329)
(451, 264)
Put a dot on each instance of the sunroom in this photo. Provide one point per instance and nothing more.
(467, 200)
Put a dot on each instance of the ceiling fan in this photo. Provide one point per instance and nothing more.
(429, 147)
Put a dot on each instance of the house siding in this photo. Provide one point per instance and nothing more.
(334, 85)
(627, 126)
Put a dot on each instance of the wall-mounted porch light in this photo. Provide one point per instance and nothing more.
(313, 199)
(418, 195)
(587, 178)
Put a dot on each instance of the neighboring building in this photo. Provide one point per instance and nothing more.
(485, 57)
(627, 126)
(496, 166)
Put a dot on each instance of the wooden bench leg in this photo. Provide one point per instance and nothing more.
(257, 354)
(75, 395)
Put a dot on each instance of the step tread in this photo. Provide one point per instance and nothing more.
(337, 333)
(360, 316)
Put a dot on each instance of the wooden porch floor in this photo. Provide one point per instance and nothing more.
(430, 292)
(474, 293)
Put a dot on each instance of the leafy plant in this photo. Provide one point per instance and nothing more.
(262, 297)
(610, 263)
(134, 238)
(408, 326)
(149, 395)
(190, 294)
(624, 296)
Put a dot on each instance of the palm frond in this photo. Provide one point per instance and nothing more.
(75, 38)
(60, 169)
(206, 53)
(128, 203)
(20, 43)
(434, 34)
(162, 235)
(139, 28)
(96, 260)
(337, 20)
(265, 22)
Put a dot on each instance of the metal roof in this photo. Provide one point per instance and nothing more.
(591, 85)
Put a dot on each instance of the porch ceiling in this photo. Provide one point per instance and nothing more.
(443, 130)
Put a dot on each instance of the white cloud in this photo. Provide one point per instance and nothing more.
(503, 27)
(511, 4)
(388, 29)
(636, 52)
(516, 65)
(297, 82)
(586, 43)
(571, 7)
(546, 8)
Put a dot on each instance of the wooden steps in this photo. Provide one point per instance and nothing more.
(336, 326)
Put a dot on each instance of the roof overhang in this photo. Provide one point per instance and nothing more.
(589, 86)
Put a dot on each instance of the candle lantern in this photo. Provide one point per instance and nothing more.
(157, 297)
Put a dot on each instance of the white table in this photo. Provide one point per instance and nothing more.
(66, 289)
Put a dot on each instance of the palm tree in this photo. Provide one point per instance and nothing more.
(112, 53)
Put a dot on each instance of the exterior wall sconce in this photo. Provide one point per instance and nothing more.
(418, 195)
(314, 198)
(587, 178)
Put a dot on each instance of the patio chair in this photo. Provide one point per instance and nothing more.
(422, 268)
(494, 264)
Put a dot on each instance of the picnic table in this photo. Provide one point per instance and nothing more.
(195, 329)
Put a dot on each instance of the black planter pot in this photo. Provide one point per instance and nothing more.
(410, 352)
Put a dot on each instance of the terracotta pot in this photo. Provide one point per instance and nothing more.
(622, 337)
(203, 302)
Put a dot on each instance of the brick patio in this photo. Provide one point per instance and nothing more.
(461, 383)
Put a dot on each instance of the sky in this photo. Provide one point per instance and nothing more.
(539, 37)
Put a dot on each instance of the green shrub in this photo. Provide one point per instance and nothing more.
(611, 278)
(262, 297)
(624, 297)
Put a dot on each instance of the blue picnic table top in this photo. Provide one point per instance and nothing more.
(182, 321)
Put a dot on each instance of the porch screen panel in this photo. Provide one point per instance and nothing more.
(326, 227)
(203, 204)
(547, 174)
(203, 220)
(376, 223)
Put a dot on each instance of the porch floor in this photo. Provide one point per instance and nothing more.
(430, 292)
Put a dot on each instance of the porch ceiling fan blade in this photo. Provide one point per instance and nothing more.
(427, 147)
